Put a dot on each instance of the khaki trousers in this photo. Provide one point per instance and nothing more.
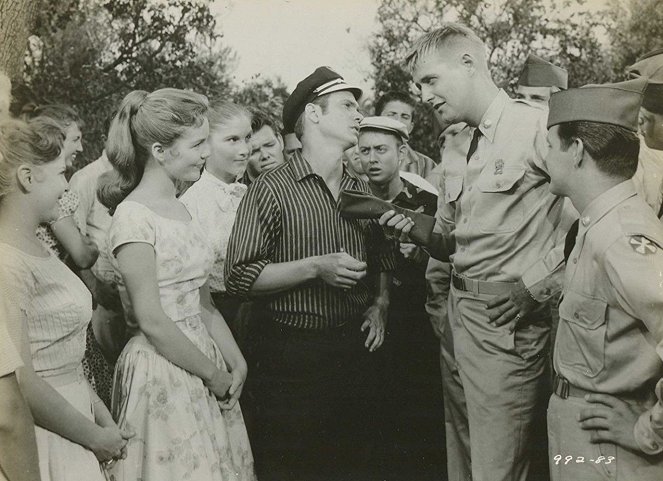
(496, 387)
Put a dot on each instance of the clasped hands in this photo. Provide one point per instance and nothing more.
(227, 386)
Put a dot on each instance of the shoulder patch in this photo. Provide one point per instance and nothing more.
(642, 245)
(639, 221)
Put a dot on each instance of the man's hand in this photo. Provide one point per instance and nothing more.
(413, 253)
(396, 225)
(375, 320)
(340, 270)
(611, 420)
(511, 307)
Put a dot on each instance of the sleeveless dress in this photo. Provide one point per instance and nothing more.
(55, 307)
(181, 431)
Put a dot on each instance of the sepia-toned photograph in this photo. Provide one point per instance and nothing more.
(331, 240)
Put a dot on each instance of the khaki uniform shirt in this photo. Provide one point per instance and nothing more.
(610, 335)
(417, 163)
(648, 178)
(498, 205)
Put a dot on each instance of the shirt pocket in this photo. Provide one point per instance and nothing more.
(498, 209)
(583, 327)
(453, 186)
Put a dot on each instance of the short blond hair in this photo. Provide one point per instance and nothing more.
(449, 35)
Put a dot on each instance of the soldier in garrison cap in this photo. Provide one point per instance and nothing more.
(605, 418)
(314, 361)
(649, 176)
(496, 204)
(539, 79)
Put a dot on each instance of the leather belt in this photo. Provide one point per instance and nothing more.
(466, 284)
(564, 389)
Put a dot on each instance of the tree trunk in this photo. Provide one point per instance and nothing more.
(17, 19)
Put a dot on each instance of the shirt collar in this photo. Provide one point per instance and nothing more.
(604, 203)
(206, 176)
(491, 117)
(301, 169)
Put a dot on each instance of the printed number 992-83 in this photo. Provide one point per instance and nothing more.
(559, 459)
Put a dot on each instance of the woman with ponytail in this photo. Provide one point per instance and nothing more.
(48, 311)
(179, 377)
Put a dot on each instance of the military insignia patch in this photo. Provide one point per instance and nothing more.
(642, 245)
(499, 167)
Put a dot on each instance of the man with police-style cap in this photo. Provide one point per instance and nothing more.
(539, 79)
(314, 376)
(411, 346)
(605, 418)
(649, 176)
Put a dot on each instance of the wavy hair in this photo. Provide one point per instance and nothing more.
(142, 120)
(34, 143)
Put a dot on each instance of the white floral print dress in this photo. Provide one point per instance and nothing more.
(181, 431)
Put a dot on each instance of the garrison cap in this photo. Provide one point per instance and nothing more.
(616, 104)
(385, 124)
(541, 73)
(651, 67)
(321, 82)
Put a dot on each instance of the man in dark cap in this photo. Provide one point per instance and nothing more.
(605, 418)
(649, 176)
(324, 285)
(539, 79)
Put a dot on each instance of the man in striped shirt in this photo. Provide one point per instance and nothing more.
(324, 284)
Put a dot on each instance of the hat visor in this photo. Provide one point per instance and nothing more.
(356, 91)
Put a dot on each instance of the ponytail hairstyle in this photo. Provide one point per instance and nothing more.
(142, 120)
(222, 112)
(34, 143)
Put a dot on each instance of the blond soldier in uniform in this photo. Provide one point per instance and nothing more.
(539, 79)
(496, 205)
(649, 176)
(604, 419)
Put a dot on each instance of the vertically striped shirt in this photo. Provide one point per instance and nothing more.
(289, 214)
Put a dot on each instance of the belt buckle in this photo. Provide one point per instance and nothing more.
(460, 282)
(562, 387)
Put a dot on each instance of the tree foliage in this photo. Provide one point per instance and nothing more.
(90, 53)
(266, 93)
(566, 32)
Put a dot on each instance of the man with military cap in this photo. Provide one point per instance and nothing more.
(415, 429)
(323, 281)
(605, 418)
(539, 79)
(649, 176)
(496, 206)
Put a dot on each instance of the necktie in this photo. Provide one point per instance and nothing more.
(473, 144)
(660, 212)
(570, 241)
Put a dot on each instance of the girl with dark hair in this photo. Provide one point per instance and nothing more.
(178, 378)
